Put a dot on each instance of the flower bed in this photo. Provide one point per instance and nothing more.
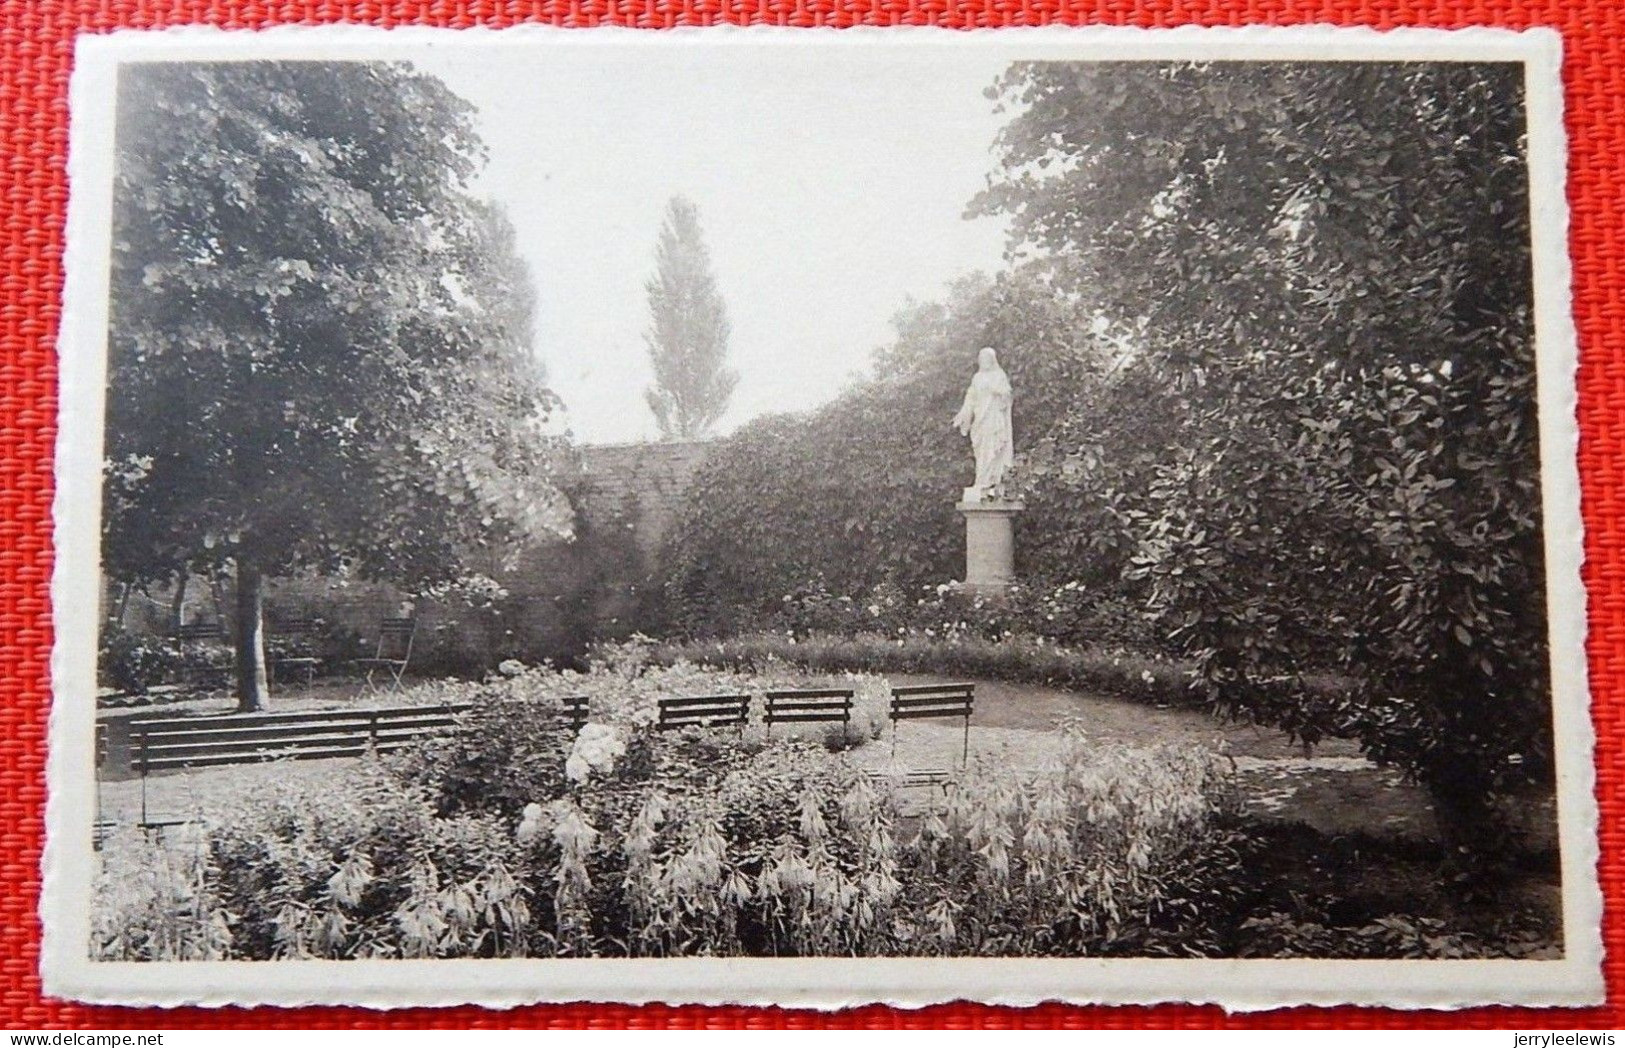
(517, 836)
(691, 844)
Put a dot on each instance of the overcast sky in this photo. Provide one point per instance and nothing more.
(828, 197)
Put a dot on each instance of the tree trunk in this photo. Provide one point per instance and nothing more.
(123, 604)
(253, 691)
(177, 604)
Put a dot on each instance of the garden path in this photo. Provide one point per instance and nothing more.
(1334, 789)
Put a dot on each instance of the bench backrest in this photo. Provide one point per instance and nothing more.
(703, 711)
(575, 711)
(808, 706)
(296, 627)
(930, 702)
(922, 701)
(168, 743)
(200, 631)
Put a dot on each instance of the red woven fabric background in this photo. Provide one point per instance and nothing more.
(36, 44)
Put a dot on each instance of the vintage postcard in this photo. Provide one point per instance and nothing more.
(818, 518)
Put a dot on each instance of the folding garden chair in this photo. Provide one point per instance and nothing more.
(394, 652)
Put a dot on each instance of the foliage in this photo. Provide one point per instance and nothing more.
(157, 903)
(133, 662)
(1064, 612)
(370, 873)
(722, 850)
(1320, 452)
(861, 492)
(1017, 659)
(505, 755)
(1392, 936)
(319, 350)
(688, 330)
(1387, 897)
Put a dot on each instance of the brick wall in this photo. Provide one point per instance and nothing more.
(640, 486)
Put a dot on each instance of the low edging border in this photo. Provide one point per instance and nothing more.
(1018, 662)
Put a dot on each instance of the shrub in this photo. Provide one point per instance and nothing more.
(506, 754)
(1022, 660)
(135, 663)
(714, 846)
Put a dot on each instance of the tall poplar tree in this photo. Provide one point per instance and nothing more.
(688, 331)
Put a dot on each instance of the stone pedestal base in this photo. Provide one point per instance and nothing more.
(990, 545)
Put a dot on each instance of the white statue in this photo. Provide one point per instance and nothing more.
(985, 418)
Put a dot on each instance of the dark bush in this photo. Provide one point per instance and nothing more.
(135, 663)
(861, 493)
(507, 753)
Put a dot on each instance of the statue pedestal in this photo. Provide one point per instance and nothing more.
(990, 545)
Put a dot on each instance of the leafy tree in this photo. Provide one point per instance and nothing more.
(861, 492)
(319, 349)
(1322, 451)
(688, 330)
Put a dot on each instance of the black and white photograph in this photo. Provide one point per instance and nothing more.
(819, 518)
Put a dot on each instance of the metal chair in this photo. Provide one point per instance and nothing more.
(394, 652)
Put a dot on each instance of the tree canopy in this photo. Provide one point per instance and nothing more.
(1323, 449)
(319, 351)
(1270, 331)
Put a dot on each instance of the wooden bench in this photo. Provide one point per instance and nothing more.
(174, 743)
(574, 711)
(808, 706)
(183, 743)
(933, 702)
(198, 634)
(704, 711)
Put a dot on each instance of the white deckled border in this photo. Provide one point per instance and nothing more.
(816, 982)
